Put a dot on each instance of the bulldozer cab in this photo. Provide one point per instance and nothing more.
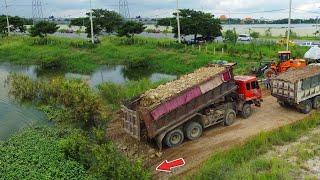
(284, 56)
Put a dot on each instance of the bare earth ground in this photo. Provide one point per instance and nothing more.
(270, 116)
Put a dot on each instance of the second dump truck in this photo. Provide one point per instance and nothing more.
(181, 109)
(299, 88)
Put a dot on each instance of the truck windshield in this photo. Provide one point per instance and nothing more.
(255, 85)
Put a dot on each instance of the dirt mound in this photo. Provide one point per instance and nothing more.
(298, 74)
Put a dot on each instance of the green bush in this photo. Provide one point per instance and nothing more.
(255, 34)
(231, 36)
(75, 98)
(35, 154)
(52, 153)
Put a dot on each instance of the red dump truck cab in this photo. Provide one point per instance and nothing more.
(249, 89)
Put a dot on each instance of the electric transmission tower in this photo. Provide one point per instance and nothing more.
(124, 9)
(37, 11)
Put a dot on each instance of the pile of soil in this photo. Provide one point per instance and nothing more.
(162, 93)
(299, 74)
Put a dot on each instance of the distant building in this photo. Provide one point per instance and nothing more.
(223, 18)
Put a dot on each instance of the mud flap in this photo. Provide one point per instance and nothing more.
(159, 140)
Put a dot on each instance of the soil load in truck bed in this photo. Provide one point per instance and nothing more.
(299, 74)
(161, 94)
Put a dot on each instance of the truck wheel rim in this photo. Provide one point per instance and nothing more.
(247, 111)
(195, 132)
(231, 117)
(175, 139)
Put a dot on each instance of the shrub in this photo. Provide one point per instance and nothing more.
(255, 34)
(82, 104)
(43, 28)
(231, 36)
(35, 154)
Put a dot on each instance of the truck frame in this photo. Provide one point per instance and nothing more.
(220, 104)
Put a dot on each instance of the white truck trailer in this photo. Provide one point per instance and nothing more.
(299, 88)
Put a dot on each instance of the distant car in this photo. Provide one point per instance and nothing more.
(308, 44)
(199, 40)
(244, 37)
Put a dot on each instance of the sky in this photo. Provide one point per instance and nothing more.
(259, 9)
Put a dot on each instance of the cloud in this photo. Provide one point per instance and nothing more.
(162, 8)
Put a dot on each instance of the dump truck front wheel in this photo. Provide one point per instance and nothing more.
(174, 138)
(316, 102)
(306, 107)
(246, 111)
(230, 117)
(193, 130)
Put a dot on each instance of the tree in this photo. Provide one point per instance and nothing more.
(197, 23)
(16, 24)
(79, 21)
(43, 28)
(104, 21)
(130, 28)
(231, 36)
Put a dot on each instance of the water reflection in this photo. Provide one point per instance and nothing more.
(14, 116)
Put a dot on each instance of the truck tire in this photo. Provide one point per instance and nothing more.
(284, 104)
(246, 111)
(316, 102)
(193, 130)
(174, 138)
(306, 107)
(230, 117)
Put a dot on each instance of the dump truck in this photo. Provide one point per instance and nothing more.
(299, 88)
(181, 109)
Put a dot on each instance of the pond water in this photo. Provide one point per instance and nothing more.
(14, 117)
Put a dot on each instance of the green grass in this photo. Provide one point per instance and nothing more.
(307, 38)
(161, 55)
(242, 162)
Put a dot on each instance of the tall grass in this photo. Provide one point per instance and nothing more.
(161, 55)
(114, 94)
(223, 165)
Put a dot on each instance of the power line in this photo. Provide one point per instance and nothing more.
(37, 12)
(124, 9)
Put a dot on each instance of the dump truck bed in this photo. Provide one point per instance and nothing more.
(296, 86)
(178, 108)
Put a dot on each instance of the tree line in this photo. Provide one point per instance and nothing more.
(16, 24)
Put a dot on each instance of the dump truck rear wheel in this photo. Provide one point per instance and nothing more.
(174, 138)
(230, 117)
(193, 130)
(316, 102)
(284, 104)
(306, 107)
(246, 111)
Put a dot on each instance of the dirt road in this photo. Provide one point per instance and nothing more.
(269, 117)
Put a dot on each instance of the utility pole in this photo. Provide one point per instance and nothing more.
(178, 22)
(7, 15)
(91, 22)
(289, 24)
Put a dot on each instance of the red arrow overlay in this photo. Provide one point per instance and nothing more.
(166, 166)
